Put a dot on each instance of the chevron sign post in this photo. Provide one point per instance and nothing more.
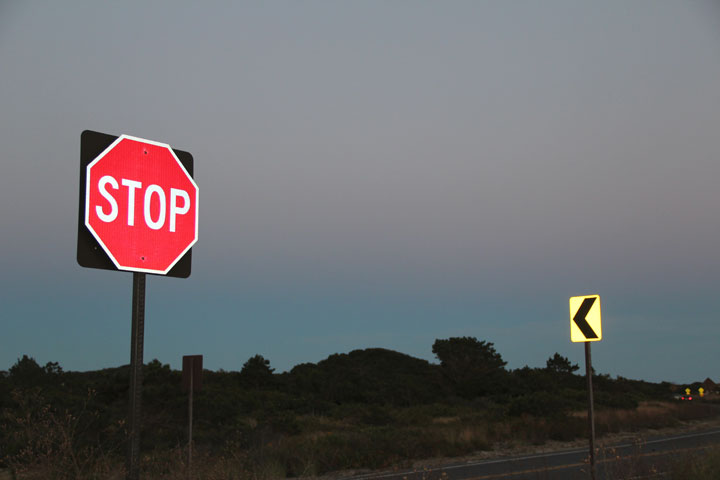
(586, 327)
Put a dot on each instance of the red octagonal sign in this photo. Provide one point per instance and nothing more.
(141, 205)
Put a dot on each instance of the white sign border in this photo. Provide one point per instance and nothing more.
(87, 204)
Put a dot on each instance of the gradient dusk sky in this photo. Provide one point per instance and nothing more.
(376, 174)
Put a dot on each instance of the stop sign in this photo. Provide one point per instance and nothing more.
(141, 205)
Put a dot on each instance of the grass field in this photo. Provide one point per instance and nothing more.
(380, 439)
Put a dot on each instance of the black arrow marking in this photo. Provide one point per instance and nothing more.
(580, 321)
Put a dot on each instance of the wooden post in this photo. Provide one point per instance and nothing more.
(192, 364)
(190, 421)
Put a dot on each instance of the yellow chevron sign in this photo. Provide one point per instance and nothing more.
(585, 325)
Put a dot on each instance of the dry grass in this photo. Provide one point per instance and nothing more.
(463, 436)
(445, 420)
(651, 415)
(327, 444)
(705, 465)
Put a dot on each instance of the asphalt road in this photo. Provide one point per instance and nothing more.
(623, 460)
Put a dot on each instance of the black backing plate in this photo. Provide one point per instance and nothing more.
(89, 252)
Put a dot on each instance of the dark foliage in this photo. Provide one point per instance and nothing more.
(559, 364)
(473, 368)
(373, 376)
(256, 373)
(372, 390)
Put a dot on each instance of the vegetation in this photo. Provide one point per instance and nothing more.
(705, 465)
(365, 409)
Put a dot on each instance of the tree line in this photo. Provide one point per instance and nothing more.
(363, 387)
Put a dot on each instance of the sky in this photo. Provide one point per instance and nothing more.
(375, 174)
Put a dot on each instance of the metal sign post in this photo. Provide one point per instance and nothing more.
(591, 410)
(136, 364)
(116, 233)
(586, 327)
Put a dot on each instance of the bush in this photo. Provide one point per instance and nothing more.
(41, 442)
(616, 400)
(540, 404)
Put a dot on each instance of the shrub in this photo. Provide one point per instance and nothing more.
(540, 404)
